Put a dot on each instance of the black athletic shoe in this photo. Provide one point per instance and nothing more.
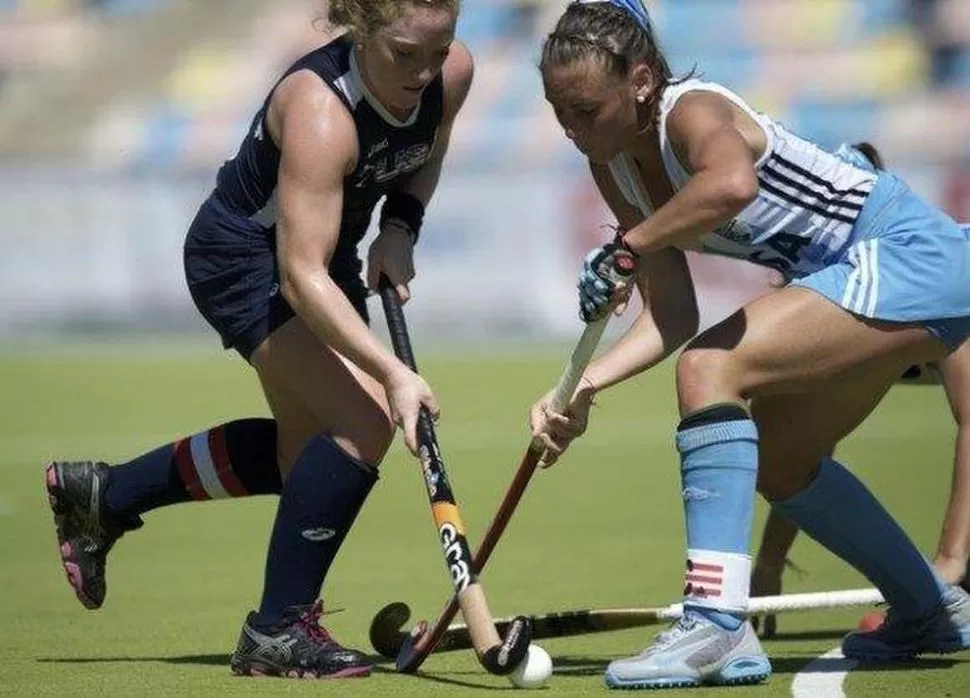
(297, 647)
(85, 533)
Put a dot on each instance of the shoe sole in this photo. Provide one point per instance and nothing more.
(733, 674)
(248, 669)
(71, 569)
(884, 657)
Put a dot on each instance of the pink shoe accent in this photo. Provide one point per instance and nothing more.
(51, 476)
(352, 673)
(74, 579)
(349, 673)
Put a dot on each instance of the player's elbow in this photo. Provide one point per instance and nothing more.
(738, 188)
(296, 282)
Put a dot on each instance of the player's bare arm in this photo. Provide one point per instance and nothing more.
(703, 128)
(319, 147)
(392, 251)
(669, 316)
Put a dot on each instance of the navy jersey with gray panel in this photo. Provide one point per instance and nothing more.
(389, 149)
(230, 250)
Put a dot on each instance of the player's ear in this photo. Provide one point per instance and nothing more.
(641, 82)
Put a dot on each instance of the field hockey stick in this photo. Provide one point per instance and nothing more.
(497, 655)
(422, 639)
(387, 625)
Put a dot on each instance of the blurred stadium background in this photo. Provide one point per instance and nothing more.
(114, 115)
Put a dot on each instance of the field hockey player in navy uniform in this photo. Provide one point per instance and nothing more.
(272, 264)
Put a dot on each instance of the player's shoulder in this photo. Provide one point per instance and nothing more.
(315, 74)
(694, 96)
(305, 104)
(303, 90)
(698, 107)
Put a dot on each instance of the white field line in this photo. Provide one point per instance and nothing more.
(823, 677)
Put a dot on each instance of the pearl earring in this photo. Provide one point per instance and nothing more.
(641, 99)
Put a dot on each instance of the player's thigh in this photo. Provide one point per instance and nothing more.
(791, 341)
(795, 431)
(318, 391)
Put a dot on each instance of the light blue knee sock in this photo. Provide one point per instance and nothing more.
(839, 512)
(719, 465)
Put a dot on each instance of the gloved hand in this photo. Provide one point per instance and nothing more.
(604, 279)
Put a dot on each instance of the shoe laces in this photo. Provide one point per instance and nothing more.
(677, 630)
(309, 620)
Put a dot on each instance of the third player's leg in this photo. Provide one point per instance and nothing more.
(954, 546)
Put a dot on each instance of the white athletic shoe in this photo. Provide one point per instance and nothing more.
(694, 652)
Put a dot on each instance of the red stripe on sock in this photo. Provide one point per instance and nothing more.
(190, 476)
(701, 567)
(697, 578)
(220, 458)
(701, 592)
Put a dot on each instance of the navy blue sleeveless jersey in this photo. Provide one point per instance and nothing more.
(230, 249)
(389, 149)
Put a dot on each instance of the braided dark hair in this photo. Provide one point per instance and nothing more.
(609, 34)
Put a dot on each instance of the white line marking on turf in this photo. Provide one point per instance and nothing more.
(823, 677)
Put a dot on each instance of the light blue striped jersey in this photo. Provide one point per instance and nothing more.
(807, 204)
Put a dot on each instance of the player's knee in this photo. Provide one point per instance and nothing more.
(782, 477)
(381, 435)
(702, 376)
(369, 439)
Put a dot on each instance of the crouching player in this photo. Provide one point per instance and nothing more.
(877, 282)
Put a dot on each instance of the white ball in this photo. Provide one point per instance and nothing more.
(534, 669)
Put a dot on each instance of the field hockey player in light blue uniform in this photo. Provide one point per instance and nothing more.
(877, 280)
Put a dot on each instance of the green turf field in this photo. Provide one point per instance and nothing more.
(601, 529)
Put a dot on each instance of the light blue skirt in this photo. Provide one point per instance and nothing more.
(909, 263)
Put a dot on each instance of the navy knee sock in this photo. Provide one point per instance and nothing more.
(231, 460)
(320, 501)
(839, 512)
